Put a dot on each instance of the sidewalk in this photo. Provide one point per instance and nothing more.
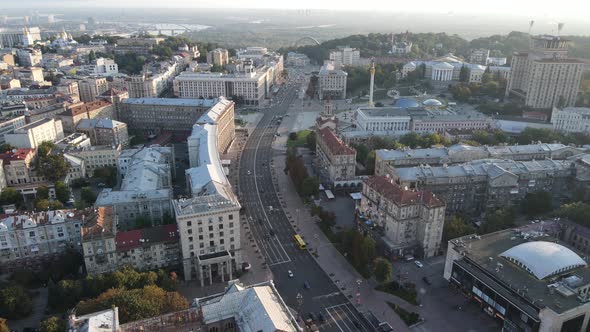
(329, 258)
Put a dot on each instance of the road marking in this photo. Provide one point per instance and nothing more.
(329, 313)
(319, 297)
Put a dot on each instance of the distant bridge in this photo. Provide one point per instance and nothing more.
(299, 42)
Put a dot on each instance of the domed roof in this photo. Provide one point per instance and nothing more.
(543, 259)
(432, 102)
(443, 65)
(406, 103)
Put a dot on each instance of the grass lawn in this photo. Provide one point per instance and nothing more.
(301, 139)
(410, 318)
(406, 293)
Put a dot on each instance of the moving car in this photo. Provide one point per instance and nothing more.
(290, 273)
(419, 264)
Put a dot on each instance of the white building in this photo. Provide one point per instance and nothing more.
(332, 82)
(102, 66)
(28, 57)
(345, 56)
(253, 87)
(218, 57)
(92, 87)
(9, 124)
(33, 134)
(496, 61)
(146, 187)
(401, 48)
(571, 120)
(209, 221)
(95, 156)
(479, 56)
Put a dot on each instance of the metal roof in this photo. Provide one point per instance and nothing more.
(543, 258)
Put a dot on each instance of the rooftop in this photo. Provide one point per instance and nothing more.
(86, 107)
(334, 143)
(400, 196)
(539, 252)
(140, 237)
(30, 220)
(98, 223)
(98, 123)
(171, 102)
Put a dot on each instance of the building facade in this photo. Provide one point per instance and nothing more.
(335, 160)
(92, 87)
(218, 57)
(331, 82)
(97, 109)
(571, 120)
(345, 56)
(104, 131)
(95, 156)
(545, 77)
(33, 134)
(412, 220)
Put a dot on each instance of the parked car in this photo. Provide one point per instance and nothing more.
(306, 285)
(290, 273)
(419, 264)
(426, 280)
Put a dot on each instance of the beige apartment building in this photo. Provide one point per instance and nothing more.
(332, 82)
(412, 220)
(33, 134)
(92, 87)
(218, 57)
(336, 161)
(545, 76)
(96, 156)
(97, 109)
(149, 248)
(98, 241)
(104, 131)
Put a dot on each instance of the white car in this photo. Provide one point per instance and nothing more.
(249, 173)
(419, 264)
(290, 273)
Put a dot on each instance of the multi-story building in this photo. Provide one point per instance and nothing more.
(209, 221)
(104, 131)
(148, 248)
(461, 153)
(336, 161)
(139, 46)
(429, 118)
(251, 86)
(479, 185)
(345, 56)
(95, 156)
(146, 187)
(497, 61)
(26, 36)
(29, 75)
(33, 134)
(9, 124)
(571, 120)
(412, 220)
(218, 57)
(545, 76)
(34, 239)
(28, 57)
(102, 66)
(75, 140)
(92, 87)
(479, 56)
(17, 166)
(523, 279)
(221, 116)
(154, 115)
(97, 109)
(331, 82)
(401, 48)
(156, 78)
(297, 59)
(98, 241)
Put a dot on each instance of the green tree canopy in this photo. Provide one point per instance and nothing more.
(382, 269)
(578, 212)
(497, 220)
(62, 193)
(15, 302)
(310, 186)
(455, 227)
(538, 202)
(52, 324)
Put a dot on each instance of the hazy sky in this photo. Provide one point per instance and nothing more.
(561, 9)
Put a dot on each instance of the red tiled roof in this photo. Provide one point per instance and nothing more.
(334, 143)
(128, 240)
(20, 154)
(398, 195)
(86, 107)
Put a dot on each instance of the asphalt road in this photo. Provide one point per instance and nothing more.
(274, 233)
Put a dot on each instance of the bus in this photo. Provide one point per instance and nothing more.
(299, 241)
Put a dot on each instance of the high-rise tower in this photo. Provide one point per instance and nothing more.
(372, 70)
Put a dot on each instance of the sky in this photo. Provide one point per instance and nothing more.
(562, 9)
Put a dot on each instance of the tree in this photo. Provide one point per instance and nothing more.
(42, 192)
(455, 227)
(310, 186)
(382, 269)
(87, 195)
(10, 196)
(536, 203)
(52, 324)
(46, 205)
(4, 325)
(464, 74)
(497, 220)
(293, 136)
(62, 193)
(91, 56)
(6, 147)
(310, 141)
(285, 73)
(143, 222)
(578, 212)
(15, 302)
(52, 166)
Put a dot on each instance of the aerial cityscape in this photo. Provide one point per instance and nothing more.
(310, 166)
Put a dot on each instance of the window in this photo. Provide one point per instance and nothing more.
(32, 234)
(221, 241)
(231, 217)
(231, 225)
(211, 243)
(189, 223)
(201, 245)
(200, 237)
(191, 247)
(190, 231)
(220, 218)
(220, 226)
(190, 239)
(231, 239)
